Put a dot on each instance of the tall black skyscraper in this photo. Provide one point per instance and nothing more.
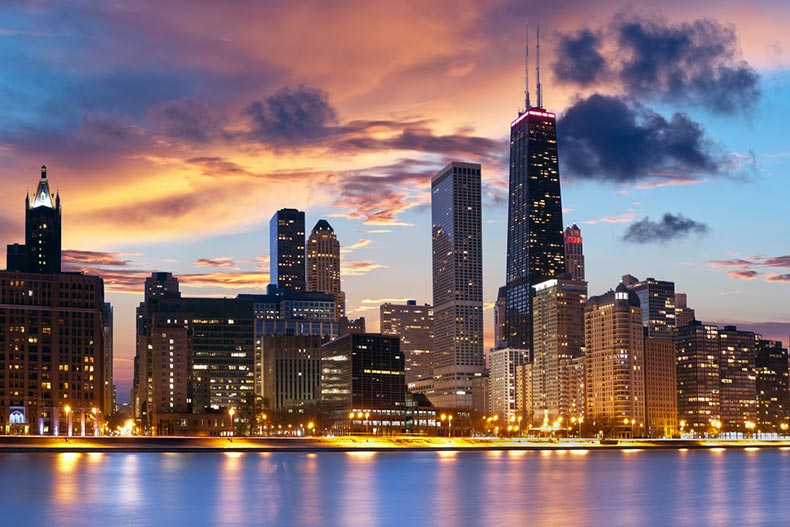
(287, 250)
(535, 244)
(42, 249)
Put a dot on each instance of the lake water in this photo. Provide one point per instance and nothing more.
(596, 488)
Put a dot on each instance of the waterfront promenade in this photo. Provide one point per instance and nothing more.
(353, 443)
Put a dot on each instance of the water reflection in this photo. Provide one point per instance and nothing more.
(581, 487)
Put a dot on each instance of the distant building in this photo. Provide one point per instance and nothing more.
(558, 327)
(614, 362)
(657, 300)
(414, 325)
(287, 250)
(574, 253)
(773, 395)
(42, 250)
(683, 314)
(364, 373)
(194, 355)
(660, 387)
(738, 380)
(457, 283)
(292, 371)
(323, 265)
(502, 382)
(524, 394)
(698, 378)
(52, 339)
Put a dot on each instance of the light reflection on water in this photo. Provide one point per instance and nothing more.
(584, 487)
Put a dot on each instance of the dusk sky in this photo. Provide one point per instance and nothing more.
(174, 130)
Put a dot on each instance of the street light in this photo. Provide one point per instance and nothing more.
(67, 409)
(750, 427)
(231, 411)
(95, 412)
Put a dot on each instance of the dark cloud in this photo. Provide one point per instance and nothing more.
(778, 278)
(72, 258)
(578, 58)
(609, 138)
(189, 119)
(695, 63)
(292, 115)
(669, 227)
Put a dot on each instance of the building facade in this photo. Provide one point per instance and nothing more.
(502, 382)
(291, 371)
(574, 252)
(698, 378)
(614, 363)
(414, 325)
(535, 243)
(558, 336)
(287, 250)
(738, 380)
(661, 408)
(657, 299)
(773, 392)
(323, 265)
(457, 283)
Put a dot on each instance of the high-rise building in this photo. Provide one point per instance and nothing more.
(42, 250)
(194, 355)
(574, 252)
(657, 299)
(457, 283)
(524, 394)
(52, 338)
(287, 250)
(292, 371)
(660, 387)
(323, 265)
(502, 382)
(698, 378)
(683, 314)
(773, 397)
(535, 243)
(364, 373)
(414, 325)
(738, 379)
(614, 362)
(558, 335)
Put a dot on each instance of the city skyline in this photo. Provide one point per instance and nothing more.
(176, 163)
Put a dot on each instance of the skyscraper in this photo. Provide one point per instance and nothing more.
(535, 243)
(42, 250)
(558, 314)
(414, 325)
(614, 361)
(773, 397)
(323, 265)
(574, 252)
(286, 253)
(738, 379)
(698, 377)
(52, 335)
(457, 283)
(657, 299)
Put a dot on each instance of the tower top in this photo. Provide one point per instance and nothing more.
(526, 69)
(537, 71)
(43, 197)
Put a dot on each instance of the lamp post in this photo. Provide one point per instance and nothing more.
(67, 409)
(750, 427)
(231, 411)
(95, 412)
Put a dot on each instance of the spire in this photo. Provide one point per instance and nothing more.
(537, 71)
(43, 197)
(526, 69)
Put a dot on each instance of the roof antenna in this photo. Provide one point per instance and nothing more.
(526, 69)
(537, 71)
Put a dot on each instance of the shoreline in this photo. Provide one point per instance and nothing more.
(61, 444)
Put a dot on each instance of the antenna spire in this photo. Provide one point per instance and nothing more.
(526, 69)
(537, 71)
